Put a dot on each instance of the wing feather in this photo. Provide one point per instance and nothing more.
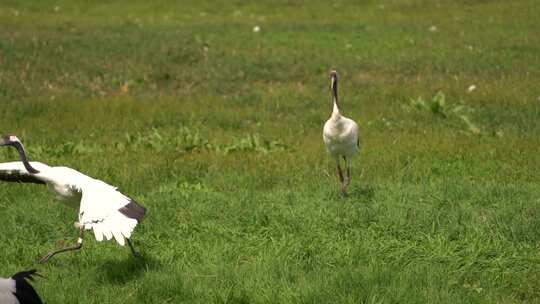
(16, 172)
(108, 212)
(107, 229)
(118, 236)
(98, 233)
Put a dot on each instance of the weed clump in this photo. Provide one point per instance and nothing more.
(252, 143)
(455, 114)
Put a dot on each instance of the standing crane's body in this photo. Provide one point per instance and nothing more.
(340, 135)
(102, 208)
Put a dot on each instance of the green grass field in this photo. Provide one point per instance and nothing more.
(217, 130)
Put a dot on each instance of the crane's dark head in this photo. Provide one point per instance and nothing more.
(14, 141)
(9, 140)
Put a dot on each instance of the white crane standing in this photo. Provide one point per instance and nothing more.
(17, 290)
(340, 136)
(101, 206)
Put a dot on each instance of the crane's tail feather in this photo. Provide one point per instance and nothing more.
(25, 293)
(26, 275)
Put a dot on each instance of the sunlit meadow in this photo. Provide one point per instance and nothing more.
(210, 114)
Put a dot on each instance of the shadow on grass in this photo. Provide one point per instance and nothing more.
(364, 193)
(128, 269)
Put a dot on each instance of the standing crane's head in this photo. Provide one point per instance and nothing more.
(333, 79)
(12, 140)
(333, 83)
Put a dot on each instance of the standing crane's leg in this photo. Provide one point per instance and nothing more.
(340, 173)
(77, 246)
(341, 179)
(133, 251)
(349, 166)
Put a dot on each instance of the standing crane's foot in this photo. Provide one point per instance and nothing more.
(344, 191)
(345, 186)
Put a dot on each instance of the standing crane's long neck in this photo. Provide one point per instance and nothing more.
(24, 159)
(335, 110)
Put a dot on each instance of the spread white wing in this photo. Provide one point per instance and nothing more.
(108, 212)
(102, 208)
(16, 172)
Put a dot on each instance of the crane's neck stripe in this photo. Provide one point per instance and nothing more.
(24, 159)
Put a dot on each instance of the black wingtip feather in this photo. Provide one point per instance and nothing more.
(24, 292)
(133, 210)
(19, 177)
(25, 275)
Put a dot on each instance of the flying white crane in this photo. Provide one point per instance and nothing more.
(340, 135)
(17, 290)
(101, 206)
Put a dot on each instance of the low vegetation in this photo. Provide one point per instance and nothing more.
(216, 127)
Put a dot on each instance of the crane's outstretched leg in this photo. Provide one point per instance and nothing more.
(133, 251)
(77, 246)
